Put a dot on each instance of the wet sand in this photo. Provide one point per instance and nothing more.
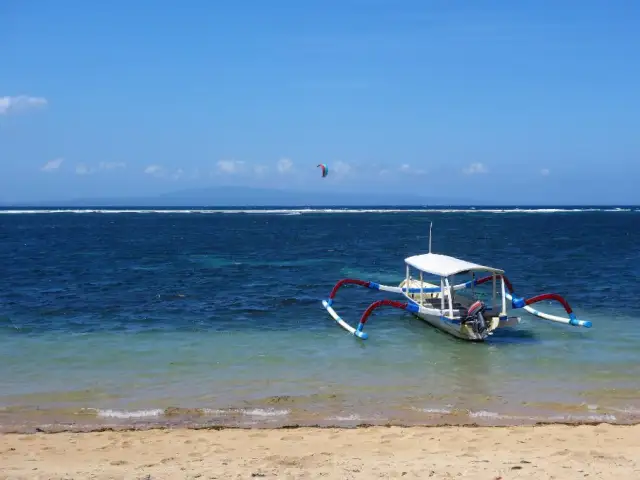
(483, 453)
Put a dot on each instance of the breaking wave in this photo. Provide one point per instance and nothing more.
(302, 211)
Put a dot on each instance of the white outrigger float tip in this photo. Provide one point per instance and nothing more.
(463, 316)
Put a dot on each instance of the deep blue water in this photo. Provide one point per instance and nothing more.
(118, 316)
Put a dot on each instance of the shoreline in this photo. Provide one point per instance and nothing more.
(52, 429)
(20, 420)
(602, 451)
(87, 428)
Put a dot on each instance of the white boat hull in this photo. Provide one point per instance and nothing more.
(438, 318)
(457, 330)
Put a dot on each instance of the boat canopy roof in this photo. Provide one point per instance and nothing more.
(445, 266)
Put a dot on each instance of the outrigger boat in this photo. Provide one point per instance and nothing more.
(462, 315)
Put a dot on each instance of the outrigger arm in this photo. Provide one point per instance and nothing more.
(413, 307)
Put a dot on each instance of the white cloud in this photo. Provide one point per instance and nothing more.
(82, 169)
(18, 103)
(230, 166)
(544, 172)
(52, 165)
(474, 168)
(284, 165)
(177, 174)
(409, 170)
(384, 171)
(155, 170)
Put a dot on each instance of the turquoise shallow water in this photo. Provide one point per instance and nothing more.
(215, 317)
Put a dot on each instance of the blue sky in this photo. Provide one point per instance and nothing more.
(531, 101)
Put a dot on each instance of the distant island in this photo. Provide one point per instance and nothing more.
(248, 197)
(251, 197)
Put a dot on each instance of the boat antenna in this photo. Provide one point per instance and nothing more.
(430, 225)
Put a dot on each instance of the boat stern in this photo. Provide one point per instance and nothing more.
(504, 321)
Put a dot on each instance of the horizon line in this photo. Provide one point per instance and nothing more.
(64, 205)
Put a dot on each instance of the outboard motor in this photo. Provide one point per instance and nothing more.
(475, 317)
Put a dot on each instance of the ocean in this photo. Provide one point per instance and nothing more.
(213, 317)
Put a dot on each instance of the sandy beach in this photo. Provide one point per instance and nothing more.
(483, 453)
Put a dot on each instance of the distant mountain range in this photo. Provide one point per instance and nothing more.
(253, 197)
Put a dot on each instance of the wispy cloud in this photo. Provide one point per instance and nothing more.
(230, 166)
(475, 168)
(284, 165)
(407, 169)
(544, 172)
(342, 168)
(83, 169)
(52, 165)
(9, 104)
(155, 170)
